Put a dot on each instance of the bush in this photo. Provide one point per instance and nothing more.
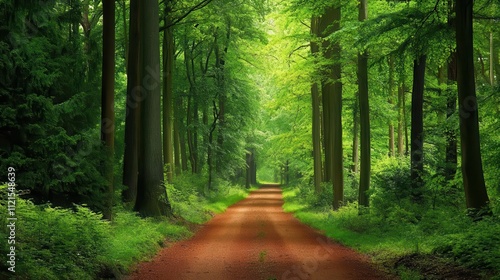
(479, 247)
(55, 243)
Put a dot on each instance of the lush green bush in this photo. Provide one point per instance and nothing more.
(55, 243)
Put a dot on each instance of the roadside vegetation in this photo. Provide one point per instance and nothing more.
(430, 241)
(61, 243)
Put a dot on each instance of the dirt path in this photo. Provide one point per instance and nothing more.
(254, 239)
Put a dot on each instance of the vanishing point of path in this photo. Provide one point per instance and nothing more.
(254, 239)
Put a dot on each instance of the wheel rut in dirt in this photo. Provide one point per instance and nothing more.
(254, 239)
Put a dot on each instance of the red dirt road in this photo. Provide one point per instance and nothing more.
(254, 239)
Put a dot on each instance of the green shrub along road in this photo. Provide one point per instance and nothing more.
(416, 243)
(58, 243)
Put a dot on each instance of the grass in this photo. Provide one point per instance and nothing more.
(444, 239)
(58, 243)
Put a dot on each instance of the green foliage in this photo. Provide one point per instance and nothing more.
(190, 202)
(135, 239)
(55, 243)
(477, 247)
(443, 231)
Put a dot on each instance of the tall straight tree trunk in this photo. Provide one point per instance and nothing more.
(401, 93)
(168, 62)
(472, 166)
(316, 127)
(326, 93)
(391, 103)
(220, 63)
(417, 128)
(125, 33)
(177, 146)
(108, 99)
(338, 158)
(182, 134)
(450, 134)
(355, 137)
(134, 102)
(364, 182)
(152, 197)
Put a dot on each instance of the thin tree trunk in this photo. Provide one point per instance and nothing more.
(168, 62)
(108, 100)
(338, 159)
(472, 166)
(152, 197)
(326, 94)
(125, 32)
(391, 103)
(316, 128)
(401, 93)
(134, 101)
(364, 182)
(405, 115)
(450, 133)
(355, 133)
(417, 129)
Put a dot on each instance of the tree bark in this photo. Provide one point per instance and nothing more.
(401, 125)
(338, 159)
(108, 99)
(326, 94)
(152, 199)
(316, 127)
(391, 103)
(355, 137)
(472, 168)
(450, 134)
(134, 101)
(168, 62)
(417, 129)
(364, 182)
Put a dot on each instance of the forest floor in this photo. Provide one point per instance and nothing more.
(254, 239)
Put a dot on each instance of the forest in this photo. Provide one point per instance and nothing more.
(125, 123)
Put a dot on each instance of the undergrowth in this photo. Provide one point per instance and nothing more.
(395, 227)
(59, 243)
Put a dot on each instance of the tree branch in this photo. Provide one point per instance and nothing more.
(196, 7)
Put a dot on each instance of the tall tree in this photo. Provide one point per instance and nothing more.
(134, 102)
(336, 117)
(316, 127)
(472, 167)
(168, 62)
(108, 97)
(152, 199)
(417, 128)
(364, 182)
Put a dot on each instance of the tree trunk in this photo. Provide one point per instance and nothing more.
(450, 134)
(316, 128)
(152, 199)
(108, 99)
(338, 159)
(220, 62)
(417, 128)
(401, 93)
(364, 182)
(326, 94)
(355, 137)
(134, 102)
(168, 62)
(391, 103)
(177, 145)
(472, 167)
